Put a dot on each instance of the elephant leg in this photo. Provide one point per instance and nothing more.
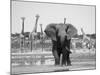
(68, 53)
(56, 57)
(63, 60)
(64, 57)
(55, 53)
(68, 60)
(59, 54)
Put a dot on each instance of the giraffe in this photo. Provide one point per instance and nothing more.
(84, 35)
(22, 38)
(41, 36)
(33, 34)
(41, 29)
(87, 40)
(34, 31)
(64, 20)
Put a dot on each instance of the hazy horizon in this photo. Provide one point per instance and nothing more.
(78, 16)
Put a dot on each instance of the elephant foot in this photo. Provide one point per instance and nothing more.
(63, 65)
(56, 64)
(69, 52)
(69, 64)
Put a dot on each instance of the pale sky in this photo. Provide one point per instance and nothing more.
(78, 16)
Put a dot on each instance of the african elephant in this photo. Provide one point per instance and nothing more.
(60, 35)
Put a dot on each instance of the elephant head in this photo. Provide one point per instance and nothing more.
(60, 31)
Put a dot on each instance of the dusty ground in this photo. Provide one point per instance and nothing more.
(80, 61)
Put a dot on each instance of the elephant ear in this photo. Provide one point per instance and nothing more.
(70, 30)
(50, 31)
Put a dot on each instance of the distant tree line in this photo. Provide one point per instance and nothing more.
(93, 36)
(26, 34)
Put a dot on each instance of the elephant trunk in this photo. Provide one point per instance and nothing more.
(65, 43)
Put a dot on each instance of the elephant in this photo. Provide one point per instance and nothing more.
(61, 35)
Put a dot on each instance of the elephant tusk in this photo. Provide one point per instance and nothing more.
(68, 50)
